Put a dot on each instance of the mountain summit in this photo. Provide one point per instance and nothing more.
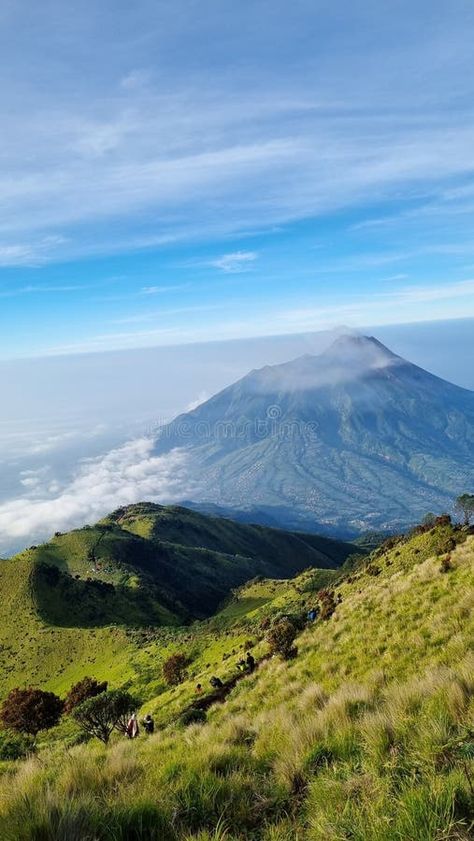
(356, 437)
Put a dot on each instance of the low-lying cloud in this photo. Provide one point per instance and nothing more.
(127, 474)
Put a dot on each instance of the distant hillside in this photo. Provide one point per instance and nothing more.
(355, 439)
(77, 598)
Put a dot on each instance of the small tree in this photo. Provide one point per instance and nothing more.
(100, 715)
(15, 745)
(174, 669)
(86, 688)
(328, 603)
(464, 505)
(31, 710)
(281, 638)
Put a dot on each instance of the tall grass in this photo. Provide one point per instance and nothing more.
(363, 763)
(361, 738)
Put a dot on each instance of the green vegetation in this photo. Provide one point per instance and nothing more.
(366, 735)
(465, 505)
(100, 714)
(82, 691)
(78, 604)
(31, 710)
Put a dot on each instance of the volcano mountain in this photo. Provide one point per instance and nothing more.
(353, 439)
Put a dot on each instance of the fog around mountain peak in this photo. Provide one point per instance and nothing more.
(350, 357)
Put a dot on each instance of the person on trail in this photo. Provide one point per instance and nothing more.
(199, 688)
(242, 665)
(149, 724)
(132, 730)
(312, 614)
(216, 682)
(250, 662)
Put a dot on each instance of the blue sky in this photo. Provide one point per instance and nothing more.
(182, 171)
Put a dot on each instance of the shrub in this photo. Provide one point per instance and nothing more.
(31, 710)
(15, 745)
(174, 669)
(281, 638)
(446, 564)
(328, 604)
(86, 688)
(100, 715)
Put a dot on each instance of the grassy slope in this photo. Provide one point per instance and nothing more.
(37, 653)
(357, 738)
(52, 634)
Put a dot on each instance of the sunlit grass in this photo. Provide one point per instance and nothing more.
(357, 738)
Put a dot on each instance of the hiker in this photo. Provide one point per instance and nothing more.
(132, 730)
(149, 724)
(312, 614)
(216, 682)
(198, 688)
(242, 665)
(250, 662)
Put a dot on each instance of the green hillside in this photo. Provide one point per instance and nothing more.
(366, 735)
(75, 604)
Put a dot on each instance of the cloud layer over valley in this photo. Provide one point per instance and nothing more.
(125, 475)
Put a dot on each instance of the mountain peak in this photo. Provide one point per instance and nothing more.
(350, 357)
(355, 344)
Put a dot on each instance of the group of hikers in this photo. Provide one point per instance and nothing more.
(246, 664)
(132, 729)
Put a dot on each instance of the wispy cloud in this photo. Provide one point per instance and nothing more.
(40, 290)
(33, 253)
(236, 262)
(403, 304)
(157, 290)
(136, 79)
(157, 145)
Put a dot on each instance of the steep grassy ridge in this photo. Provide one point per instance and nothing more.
(368, 735)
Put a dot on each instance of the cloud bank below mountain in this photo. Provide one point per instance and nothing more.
(127, 474)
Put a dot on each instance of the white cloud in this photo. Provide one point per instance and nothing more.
(236, 262)
(33, 253)
(128, 474)
(201, 398)
(136, 79)
(156, 290)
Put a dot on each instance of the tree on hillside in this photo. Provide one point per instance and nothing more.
(464, 505)
(86, 688)
(281, 638)
(174, 669)
(31, 710)
(328, 603)
(100, 715)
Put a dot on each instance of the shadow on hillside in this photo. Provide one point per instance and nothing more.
(77, 603)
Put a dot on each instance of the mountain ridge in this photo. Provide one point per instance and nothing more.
(80, 597)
